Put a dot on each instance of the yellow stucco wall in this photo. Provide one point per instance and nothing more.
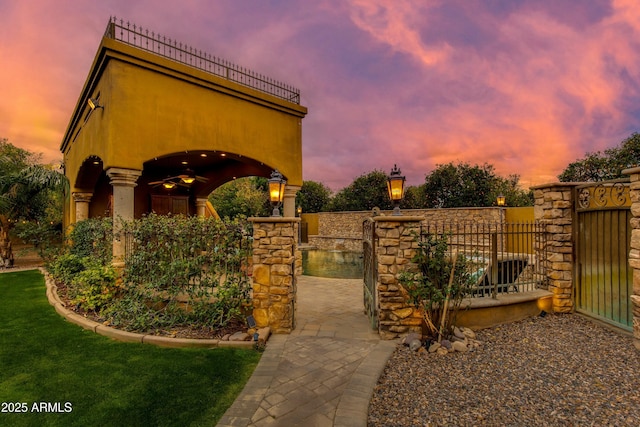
(154, 106)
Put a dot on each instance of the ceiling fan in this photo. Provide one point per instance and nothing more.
(184, 180)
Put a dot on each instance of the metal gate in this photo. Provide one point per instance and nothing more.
(603, 233)
(370, 270)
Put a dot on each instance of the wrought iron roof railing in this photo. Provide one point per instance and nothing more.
(141, 38)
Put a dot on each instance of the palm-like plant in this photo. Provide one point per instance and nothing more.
(26, 187)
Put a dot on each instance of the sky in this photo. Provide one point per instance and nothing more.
(527, 86)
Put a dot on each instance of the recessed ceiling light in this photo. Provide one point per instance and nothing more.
(184, 162)
(203, 155)
(223, 154)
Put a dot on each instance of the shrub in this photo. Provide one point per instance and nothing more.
(93, 288)
(65, 267)
(92, 238)
(432, 287)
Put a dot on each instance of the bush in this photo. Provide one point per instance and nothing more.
(92, 238)
(432, 288)
(65, 267)
(93, 288)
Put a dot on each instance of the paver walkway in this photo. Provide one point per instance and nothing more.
(322, 374)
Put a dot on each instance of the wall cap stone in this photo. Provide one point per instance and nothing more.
(275, 219)
(558, 185)
(631, 171)
(398, 218)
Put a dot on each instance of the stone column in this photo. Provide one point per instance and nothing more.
(289, 202)
(396, 247)
(82, 205)
(123, 182)
(554, 206)
(201, 205)
(634, 252)
(274, 272)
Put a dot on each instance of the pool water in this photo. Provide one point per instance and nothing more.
(334, 264)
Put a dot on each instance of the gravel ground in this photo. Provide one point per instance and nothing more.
(557, 370)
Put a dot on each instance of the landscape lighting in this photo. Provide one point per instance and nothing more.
(276, 191)
(395, 186)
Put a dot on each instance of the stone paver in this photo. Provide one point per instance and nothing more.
(324, 372)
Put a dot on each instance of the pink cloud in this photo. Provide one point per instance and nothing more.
(527, 86)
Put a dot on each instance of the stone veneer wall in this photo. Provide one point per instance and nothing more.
(553, 208)
(276, 263)
(634, 252)
(343, 230)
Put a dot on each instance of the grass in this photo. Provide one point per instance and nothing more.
(44, 359)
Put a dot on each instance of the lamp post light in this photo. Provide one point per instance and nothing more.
(276, 191)
(395, 186)
(500, 200)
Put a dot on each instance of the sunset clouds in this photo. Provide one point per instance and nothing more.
(527, 86)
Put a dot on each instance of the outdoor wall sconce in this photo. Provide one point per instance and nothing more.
(501, 200)
(395, 186)
(276, 191)
(93, 104)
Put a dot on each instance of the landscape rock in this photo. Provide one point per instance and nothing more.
(459, 346)
(415, 345)
(458, 333)
(434, 347)
(240, 336)
(410, 337)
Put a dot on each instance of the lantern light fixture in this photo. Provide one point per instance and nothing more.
(276, 191)
(501, 200)
(395, 186)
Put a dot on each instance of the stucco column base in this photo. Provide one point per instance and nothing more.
(289, 202)
(82, 200)
(123, 182)
(274, 272)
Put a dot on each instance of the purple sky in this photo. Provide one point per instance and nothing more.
(525, 85)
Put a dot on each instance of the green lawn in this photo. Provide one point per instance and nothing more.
(87, 379)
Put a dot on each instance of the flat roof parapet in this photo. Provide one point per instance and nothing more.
(141, 38)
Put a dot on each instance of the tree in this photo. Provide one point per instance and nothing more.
(313, 197)
(242, 196)
(413, 197)
(463, 185)
(30, 192)
(364, 193)
(602, 166)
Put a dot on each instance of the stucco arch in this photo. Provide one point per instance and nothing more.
(160, 108)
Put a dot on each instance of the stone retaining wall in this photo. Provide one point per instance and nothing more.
(343, 230)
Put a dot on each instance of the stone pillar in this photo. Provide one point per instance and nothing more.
(274, 272)
(634, 252)
(82, 205)
(201, 205)
(123, 182)
(554, 206)
(289, 202)
(396, 247)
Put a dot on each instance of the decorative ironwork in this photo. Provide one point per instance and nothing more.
(603, 195)
(138, 37)
(370, 269)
